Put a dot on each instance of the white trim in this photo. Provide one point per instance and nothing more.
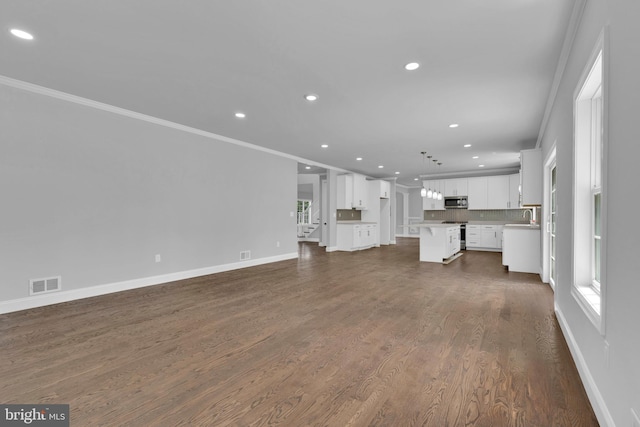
(331, 248)
(569, 37)
(545, 222)
(590, 385)
(75, 294)
(597, 318)
(41, 90)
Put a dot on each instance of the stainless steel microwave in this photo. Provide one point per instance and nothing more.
(457, 202)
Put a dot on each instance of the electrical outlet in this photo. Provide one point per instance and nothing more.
(291, 214)
(158, 258)
(339, 214)
(278, 244)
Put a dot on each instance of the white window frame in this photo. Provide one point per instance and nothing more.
(590, 172)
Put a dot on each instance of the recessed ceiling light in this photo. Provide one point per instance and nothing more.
(307, 167)
(241, 115)
(467, 145)
(475, 157)
(21, 34)
(380, 166)
(311, 97)
(480, 166)
(415, 179)
(412, 66)
(358, 158)
(454, 125)
(397, 173)
(324, 146)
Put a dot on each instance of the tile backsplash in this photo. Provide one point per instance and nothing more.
(349, 215)
(508, 215)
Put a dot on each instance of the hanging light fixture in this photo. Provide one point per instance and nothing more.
(429, 192)
(423, 191)
(439, 192)
(435, 193)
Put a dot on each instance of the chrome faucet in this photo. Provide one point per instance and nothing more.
(530, 212)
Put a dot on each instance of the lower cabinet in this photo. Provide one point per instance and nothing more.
(438, 242)
(354, 237)
(484, 237)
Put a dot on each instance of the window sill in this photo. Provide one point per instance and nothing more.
(589, 300)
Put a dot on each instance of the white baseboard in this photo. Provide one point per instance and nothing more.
(309, 239)
(331, 248)
(596, 399)
(75, 294)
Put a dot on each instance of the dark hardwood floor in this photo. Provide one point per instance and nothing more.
(372, 338)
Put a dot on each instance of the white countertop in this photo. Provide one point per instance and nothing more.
(432, 225)
(352, 222)
(535, 227)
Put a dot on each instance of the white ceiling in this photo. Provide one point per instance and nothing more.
(485, 64)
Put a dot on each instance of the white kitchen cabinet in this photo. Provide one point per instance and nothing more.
(439, 242)
(355, 237)
(456, 187)
(453, 241)
(531, 176)
(514, 191)
(484, 237)
(385, 189)
(345, 192)
(352, 191)
(360, 191)
(477, 197)
(431, 204)
(521, 251)
(498, 192)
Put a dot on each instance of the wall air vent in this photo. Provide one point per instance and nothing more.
(45, 285)
(245, 255)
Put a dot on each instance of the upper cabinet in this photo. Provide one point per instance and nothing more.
(531, 177)
(514, 191)
(385, 189)
(352, 191)
(345, 192)
(477, 189)
(360, 191)
(456, 187)
(498, 192)
(494, 192)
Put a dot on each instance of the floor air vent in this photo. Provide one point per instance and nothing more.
(245, 255)
(43, 286)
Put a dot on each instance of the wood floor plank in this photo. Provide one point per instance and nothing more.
(370, 338)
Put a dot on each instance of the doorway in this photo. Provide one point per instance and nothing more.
(549, 265)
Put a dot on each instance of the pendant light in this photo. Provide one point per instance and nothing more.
(435, 193)
(423, 192)
(439, 192)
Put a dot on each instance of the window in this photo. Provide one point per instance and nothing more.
(304, 208)
(589, 206)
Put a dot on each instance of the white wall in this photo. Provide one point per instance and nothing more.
(92, 196)
(614, 384)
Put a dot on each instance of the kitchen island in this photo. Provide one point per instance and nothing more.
(439, 242)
